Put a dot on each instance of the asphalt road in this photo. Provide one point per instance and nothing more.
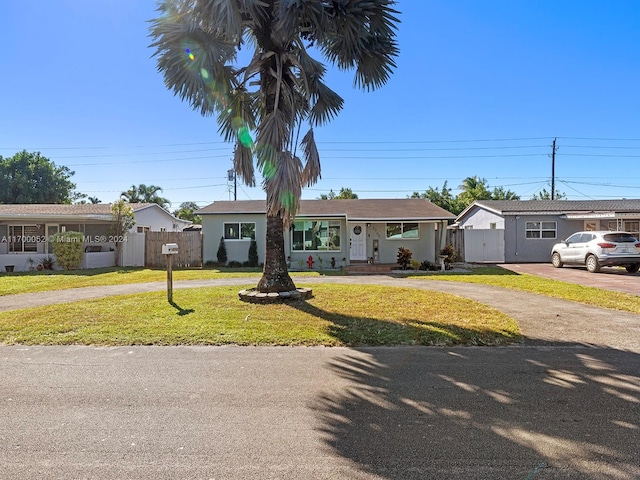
(566, 404)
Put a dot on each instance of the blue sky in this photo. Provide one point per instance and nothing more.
(481, 88)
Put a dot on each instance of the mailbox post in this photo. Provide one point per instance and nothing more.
(170, 249)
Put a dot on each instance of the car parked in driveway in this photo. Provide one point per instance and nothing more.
(598, 249)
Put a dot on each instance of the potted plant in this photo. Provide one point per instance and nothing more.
(31, 263)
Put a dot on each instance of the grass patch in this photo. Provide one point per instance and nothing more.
(500, 277)
(28, 282)
(337, 315)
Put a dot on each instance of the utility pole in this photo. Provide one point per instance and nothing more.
(553, 169)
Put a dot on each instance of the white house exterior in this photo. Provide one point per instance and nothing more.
(347, 231)
(26, 230)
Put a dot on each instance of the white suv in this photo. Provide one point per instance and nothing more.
(598, 249)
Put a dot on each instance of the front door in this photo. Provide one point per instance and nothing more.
(358, 241)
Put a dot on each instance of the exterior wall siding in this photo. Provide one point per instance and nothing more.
(238, 250)
(519, 249)
(479, 218)
(422, 248)
(156, 220)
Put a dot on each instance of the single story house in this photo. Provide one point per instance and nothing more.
(515, 231)
(355, 230)
(26, 230)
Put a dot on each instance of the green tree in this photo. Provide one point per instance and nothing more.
(544, 194)
(442, 198)
(473, 188)
(345, 194)
(145, 194)
(31, 178)
(187, 212)
(277, 90)
(122, 221)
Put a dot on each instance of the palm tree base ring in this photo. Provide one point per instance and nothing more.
(252, 295)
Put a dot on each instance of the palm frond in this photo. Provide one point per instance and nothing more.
(311, 171)
(243, 164)
(283, 187)
(224, 15)
(361, 35)
(273, 131)
(327, 104)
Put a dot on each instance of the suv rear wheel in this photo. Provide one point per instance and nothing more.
(592, 264)
(556, 260)
(633, 268)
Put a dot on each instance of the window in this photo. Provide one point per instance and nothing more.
(141, 229)
(239, 231)
(402, 231)
(492, 226)
(23, 238)
(316, 235)
(540, 229)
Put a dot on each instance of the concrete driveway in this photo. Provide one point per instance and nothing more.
(610, 278)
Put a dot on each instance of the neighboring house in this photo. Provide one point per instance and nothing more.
(515, 231)
(357, 230)
(25, 231)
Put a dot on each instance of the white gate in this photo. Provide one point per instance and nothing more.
(133, 250)
(484, 246)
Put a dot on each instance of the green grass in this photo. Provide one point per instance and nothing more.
(336, 315)
(28, 282)
(500, 277)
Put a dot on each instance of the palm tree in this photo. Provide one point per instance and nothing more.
(131, 195)
(145, 194)
(278, 90)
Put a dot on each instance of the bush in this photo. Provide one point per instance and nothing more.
(211, 264)
(426, 265)
(450, 256)
(253, 254)
(222, 252)
(234, 264)
(68, 249)
(404, 257)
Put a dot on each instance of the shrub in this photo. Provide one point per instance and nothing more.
(211, 264)
(253, 254)
(450, 255)
(404, 257)
(68, 249)
(222, 252)
(426, 265)
(234, 264)
(415, 264)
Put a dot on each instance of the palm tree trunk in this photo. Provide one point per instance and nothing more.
(275, 276)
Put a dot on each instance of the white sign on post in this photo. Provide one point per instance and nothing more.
(170, 249)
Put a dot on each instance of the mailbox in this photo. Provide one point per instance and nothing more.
(170, 249)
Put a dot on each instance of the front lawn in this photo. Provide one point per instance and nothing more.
(336, 315)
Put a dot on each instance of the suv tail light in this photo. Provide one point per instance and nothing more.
(606, 245)
(637, 245)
